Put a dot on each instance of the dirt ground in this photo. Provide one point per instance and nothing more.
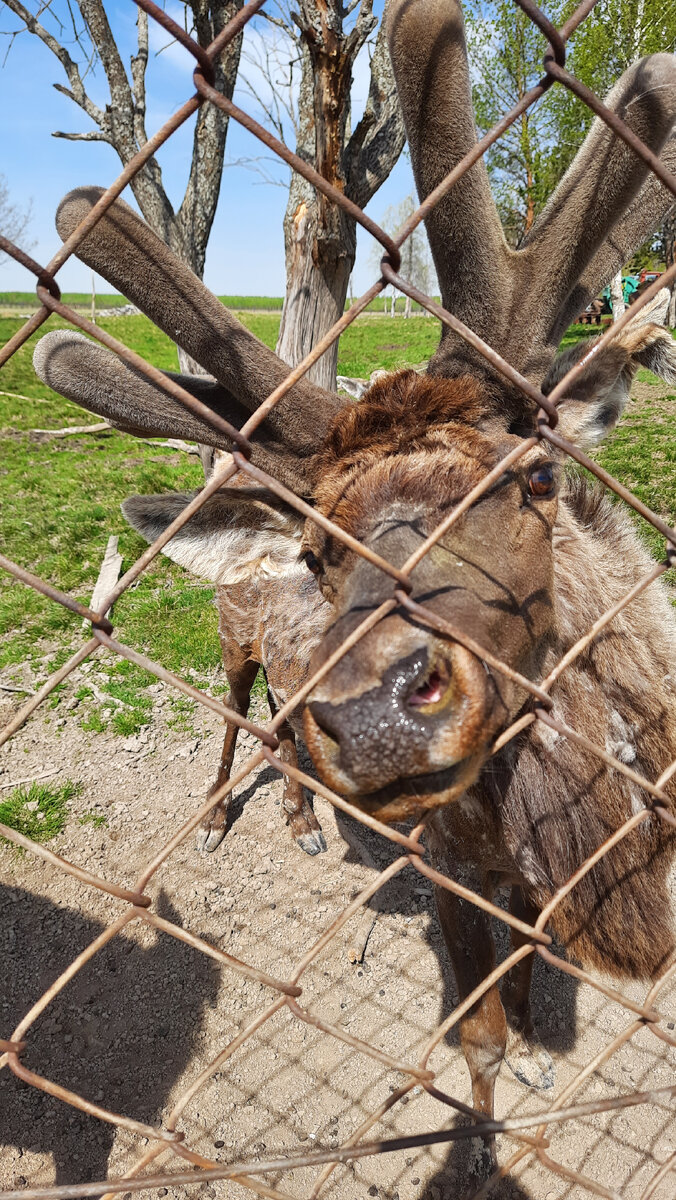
(140, 1021)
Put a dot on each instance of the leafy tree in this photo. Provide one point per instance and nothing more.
(506, 52)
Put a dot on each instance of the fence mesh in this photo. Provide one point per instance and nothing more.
(181, 1164)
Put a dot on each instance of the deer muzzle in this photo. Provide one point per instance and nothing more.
(415, 739)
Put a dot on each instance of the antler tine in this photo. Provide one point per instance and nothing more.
(132, 258)
(473, 261)
(644, 216)
(99, 381)
(599, 186)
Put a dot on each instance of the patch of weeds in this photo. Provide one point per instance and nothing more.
(259, 690)
(57, 660)
(40, 811)
(219, 689)
(93, 722)
(92, 818)
(182, 713)
(57, 695)
(127, 722)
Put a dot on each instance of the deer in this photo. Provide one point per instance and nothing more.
(405, 722)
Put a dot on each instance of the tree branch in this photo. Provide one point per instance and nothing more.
(77, 92)
(101, 34)
(139, 64)
(93, 135)
(379, 137)
(280, 23)
(196, 214)
(363, 27)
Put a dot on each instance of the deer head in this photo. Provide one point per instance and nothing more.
(405, 720)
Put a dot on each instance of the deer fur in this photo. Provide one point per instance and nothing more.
(407, 719)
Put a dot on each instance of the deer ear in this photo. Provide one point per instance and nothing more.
(598, 396)
(237, 534)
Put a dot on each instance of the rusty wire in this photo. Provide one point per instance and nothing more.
(287, 994)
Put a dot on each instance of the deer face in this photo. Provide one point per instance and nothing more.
(405, 720)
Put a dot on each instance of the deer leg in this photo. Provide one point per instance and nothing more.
(240, 673)
(525, 1055)
(305, 828)
(483, 1028)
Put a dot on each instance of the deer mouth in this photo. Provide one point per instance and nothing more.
(435, 693)
(413, 795)
(414, 741)
(408, 794)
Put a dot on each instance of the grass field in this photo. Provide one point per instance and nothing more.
(60, 501)
(29, 301)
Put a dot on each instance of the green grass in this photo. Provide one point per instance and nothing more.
(103, 299)
(61, 500)
(92, 818)
(40, 811)
(237, 303)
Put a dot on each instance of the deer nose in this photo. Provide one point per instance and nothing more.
(419, 719)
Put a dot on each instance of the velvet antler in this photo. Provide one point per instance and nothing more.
(521, 301)
(125, 251)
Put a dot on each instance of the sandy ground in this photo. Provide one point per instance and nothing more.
(139, 1022)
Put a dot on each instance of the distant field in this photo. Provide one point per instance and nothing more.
(239, 303)
(29, 299)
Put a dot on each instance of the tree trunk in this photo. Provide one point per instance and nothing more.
(669, 252)
(320, 244)
(616, 296)
(319, 237)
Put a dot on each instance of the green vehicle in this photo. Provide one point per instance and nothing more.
(630, 286)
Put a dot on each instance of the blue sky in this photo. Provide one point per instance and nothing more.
(245, 253)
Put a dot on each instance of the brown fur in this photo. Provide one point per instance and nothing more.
(542, 806)
(534, 799)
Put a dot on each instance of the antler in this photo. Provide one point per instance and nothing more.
(521, 301)
(603, 181)
(99, 381)
(472, 259)
(125, 251)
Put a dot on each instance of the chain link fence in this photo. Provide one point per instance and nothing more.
(181, 1165)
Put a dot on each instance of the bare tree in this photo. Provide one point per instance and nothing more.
(416, 259)
(14, 221)
(322, 41)
(122, 122)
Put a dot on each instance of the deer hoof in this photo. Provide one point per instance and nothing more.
(207, 839)
(313, 842)
(529, 1061)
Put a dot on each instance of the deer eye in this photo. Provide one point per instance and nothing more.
(541, 480)
(312, 562)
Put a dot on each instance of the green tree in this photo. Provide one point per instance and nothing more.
(506, 53)
(615, 34)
